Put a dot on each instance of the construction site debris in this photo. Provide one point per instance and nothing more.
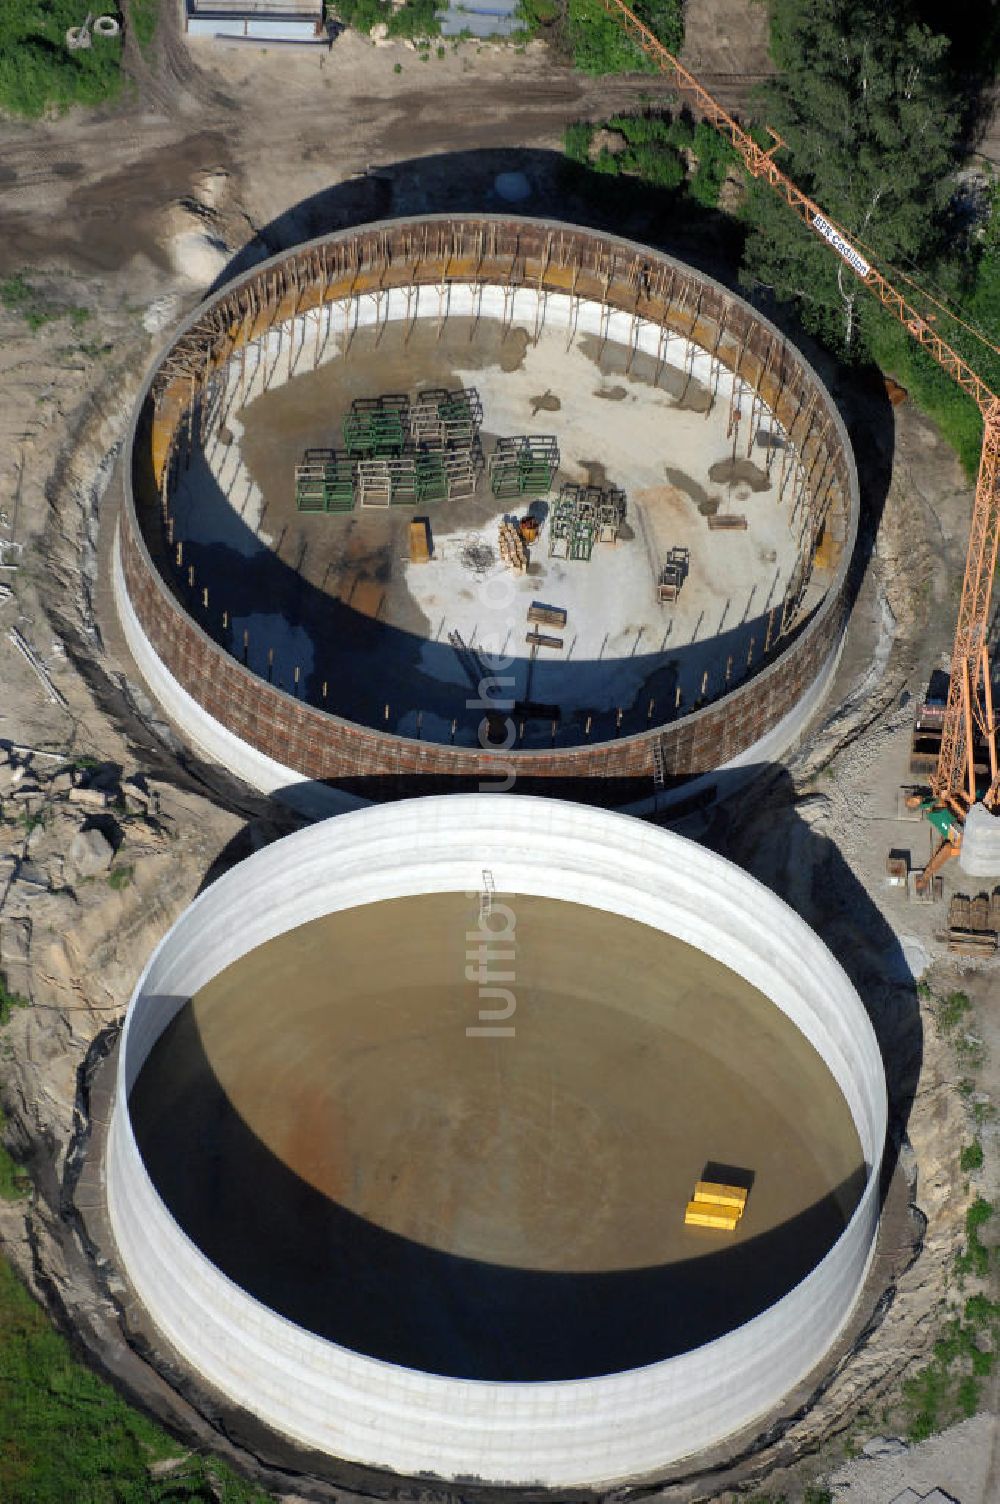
(726, 522)
(523, 462)
(581, 516)
(672, 575)
(974, 923)
(420, 540)
(548, 616)
(512, 546)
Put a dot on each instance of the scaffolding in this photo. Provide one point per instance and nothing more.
(582, 516)
(324, 482)
(260, 325)
(377, 427)
(402, 481)
(522, 463)
(440, 419)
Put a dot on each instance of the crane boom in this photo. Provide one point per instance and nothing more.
(970, 704)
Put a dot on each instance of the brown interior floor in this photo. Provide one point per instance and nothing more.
(322, 1124)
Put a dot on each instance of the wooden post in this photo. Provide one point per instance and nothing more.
(270, 665)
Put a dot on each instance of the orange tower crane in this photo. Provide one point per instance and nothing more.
(970, 701)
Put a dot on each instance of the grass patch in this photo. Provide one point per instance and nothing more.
(67, 1435)
(143, 16)
(20, 296)
(950, 1387)
(9, 1001)
(15, 1183)
(951, 1010)
(120, 877)
(37, 70)
(975, 1258)
(971, 1157)
(414, 19)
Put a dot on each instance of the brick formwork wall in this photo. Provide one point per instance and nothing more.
(324, 747)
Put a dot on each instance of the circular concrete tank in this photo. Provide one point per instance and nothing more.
(409, 1108)
(317, 655)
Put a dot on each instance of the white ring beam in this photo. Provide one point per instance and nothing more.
(594, 1431)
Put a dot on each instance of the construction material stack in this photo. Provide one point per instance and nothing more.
(581, 516)
(672, 575)
(377, 427)
(324, 482)
(513, 549)
(522, 463)
(716, 1205)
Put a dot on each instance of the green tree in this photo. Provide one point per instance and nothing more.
(600, 44)
(863, 102)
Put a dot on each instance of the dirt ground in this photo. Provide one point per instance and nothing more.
(123, 219)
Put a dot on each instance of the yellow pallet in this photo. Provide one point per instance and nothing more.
(704, 1214)
(720, 1195)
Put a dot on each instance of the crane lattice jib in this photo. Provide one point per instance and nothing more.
(968, 695)
(969, 689)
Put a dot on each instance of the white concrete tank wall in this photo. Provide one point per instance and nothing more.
(577, 1432)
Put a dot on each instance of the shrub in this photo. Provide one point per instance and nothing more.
(976, 1258)
(14, 1181)
(952, 1010)
(37, 70)
(971, 1157)
(576, 140)
(538, 14)
(9, 1000)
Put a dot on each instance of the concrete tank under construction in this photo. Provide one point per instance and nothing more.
(437, 503)
(398, 1165)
